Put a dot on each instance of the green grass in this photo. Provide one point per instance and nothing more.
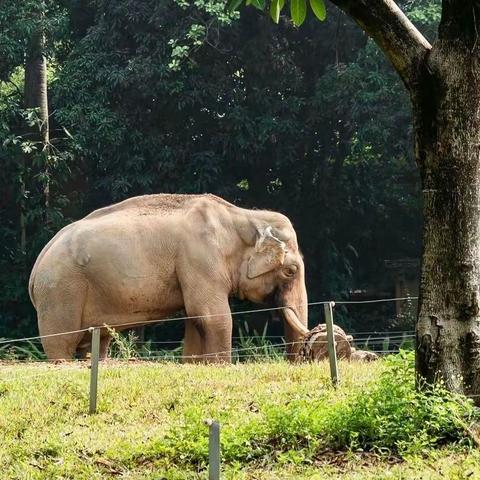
(279, 421)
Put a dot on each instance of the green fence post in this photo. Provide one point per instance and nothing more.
(332, 352)
(213, 449)
(95, 356)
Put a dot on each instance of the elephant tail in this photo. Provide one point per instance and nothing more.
(30, 285)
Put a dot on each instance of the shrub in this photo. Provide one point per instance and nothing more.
(392, 416)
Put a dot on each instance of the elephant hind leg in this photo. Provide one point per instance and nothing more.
(193, 343)
(58, 312)
(209, 339)
(85, 348)
(104, 344)
(60, 348)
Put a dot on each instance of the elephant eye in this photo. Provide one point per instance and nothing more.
(290, 271)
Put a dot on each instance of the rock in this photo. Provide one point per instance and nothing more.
(315, 344)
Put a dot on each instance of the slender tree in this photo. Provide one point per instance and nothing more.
(443, 81)
(35, 97)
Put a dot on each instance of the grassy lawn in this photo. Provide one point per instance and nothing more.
(279, 421)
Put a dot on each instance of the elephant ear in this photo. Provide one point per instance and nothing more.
(269, 254)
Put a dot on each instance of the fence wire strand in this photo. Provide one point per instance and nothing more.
(236, 353)
(165, 320)
(379, 300)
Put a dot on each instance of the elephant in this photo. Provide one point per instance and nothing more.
(150, 256)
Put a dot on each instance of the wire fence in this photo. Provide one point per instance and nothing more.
(196, 317)
(259, 346)
(263, 351)
(245, 347)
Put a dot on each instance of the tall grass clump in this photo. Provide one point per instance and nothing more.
(123, 347)
(252, 346)
(27, 351)
(127, 347)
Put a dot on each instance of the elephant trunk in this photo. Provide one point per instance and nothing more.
(294, 298)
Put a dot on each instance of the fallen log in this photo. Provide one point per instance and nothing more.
(315, 346)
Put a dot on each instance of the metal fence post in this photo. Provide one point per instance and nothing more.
(332, 352)
(213, 449)
(95, 355)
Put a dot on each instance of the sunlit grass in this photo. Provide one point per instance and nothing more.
(277, 422)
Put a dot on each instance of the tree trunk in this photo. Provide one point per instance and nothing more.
(35, 96)
(447, 125)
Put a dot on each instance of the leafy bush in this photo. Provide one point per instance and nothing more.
(392, 416)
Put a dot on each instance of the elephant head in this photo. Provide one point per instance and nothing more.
(273, 271)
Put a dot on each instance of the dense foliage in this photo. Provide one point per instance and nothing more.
(180, 96)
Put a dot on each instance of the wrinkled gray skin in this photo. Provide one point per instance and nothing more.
(151, 256)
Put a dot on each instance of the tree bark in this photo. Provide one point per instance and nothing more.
(36, 94)
(447, 125)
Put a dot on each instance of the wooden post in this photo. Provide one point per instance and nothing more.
(95, 356)
(332, 352)
(213, 449)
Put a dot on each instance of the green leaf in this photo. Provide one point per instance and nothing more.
(233, 4)
(275, 9)
(318, 8)
(259, 4)
(298, 10)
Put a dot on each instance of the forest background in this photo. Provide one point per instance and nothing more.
(181, 96)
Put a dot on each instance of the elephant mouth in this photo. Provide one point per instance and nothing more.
(274, 299)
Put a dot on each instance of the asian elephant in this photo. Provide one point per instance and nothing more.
(148, 257)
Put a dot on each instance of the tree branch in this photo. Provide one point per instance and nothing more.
(395, 34)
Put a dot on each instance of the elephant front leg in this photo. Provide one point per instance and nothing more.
(208, 337)
(217, 344)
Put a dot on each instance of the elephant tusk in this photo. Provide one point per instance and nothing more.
(292, 319)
